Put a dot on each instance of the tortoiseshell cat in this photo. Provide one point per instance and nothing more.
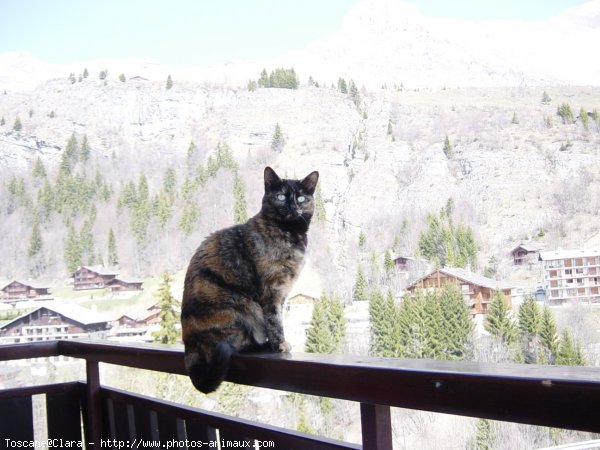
(239, 277)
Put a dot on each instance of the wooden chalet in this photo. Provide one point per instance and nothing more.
(58, 321)
(409, 263)
(526, 254)
(91, 278)
(138, 319)
(24, 290)
(121, 284)
(476, 289)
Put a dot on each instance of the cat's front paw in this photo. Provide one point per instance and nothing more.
(285, 347)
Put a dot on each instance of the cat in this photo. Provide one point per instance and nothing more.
(238, 278)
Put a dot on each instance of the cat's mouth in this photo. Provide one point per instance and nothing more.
(294, 215)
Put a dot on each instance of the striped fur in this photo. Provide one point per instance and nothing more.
(238, 278)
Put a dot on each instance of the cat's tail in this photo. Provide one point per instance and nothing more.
(207, 371)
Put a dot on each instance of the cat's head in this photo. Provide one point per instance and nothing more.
(291, 203)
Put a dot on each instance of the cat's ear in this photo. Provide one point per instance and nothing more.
(310, 182)
(271, 178)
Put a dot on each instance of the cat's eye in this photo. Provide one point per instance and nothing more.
(281, 197)
(301, 199)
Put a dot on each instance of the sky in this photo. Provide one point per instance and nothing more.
(197, 32)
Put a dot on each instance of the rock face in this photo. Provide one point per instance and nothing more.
(381, 164)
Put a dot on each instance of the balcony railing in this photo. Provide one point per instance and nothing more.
(554, 396)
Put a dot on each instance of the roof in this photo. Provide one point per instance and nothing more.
(76, 313)
(30, 284)
(529, 247)
(125, 280)
(469, 277)
(566, 254)
(99, 270)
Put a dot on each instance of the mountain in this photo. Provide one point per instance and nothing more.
(385, 41)
(393, 43)
(516, 170)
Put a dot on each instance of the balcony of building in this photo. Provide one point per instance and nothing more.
(89, 411)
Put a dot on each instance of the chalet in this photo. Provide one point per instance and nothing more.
(91, 278)
(58, 321)
(120, 284)
(138, 319)
(409, 263)
(571, 275)
(526, 254)
(476, 289)
(24, 290)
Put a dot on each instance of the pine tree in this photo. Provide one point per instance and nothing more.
(72, 249)
(45, 201)
(447, 242)
(2, 121)
(546, 98)
(388, 264)
(84, 151)
(412, 326)
(384, 331)
(448, 151)
(85, 73)
(169, 315)
(263, 81)
(498, 321)
(337, 322)
(35, 254)
(36, 244)
(354, 94)
(327, 329)
(189, 218)
(277, 141)
(342, 87)
(169, 83)
(362, 240)
(390, 131)
(585, 120)
(530, 321)
(113, 258)
(240, 213)
(569, 352)
(360, 285)
(565, 113)
(318, 335)
(530, 316)
(71, 150)
(86, 242)
(484, 436)
(17, 126)
(163, 209)
(457, 325)
(39, 171)
(433, 331)
(549, 336)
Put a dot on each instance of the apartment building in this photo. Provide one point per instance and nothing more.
(571, 275)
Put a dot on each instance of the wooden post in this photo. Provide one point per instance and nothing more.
(376, 424)
(94, 404)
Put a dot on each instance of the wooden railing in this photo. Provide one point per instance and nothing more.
(555, 396)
